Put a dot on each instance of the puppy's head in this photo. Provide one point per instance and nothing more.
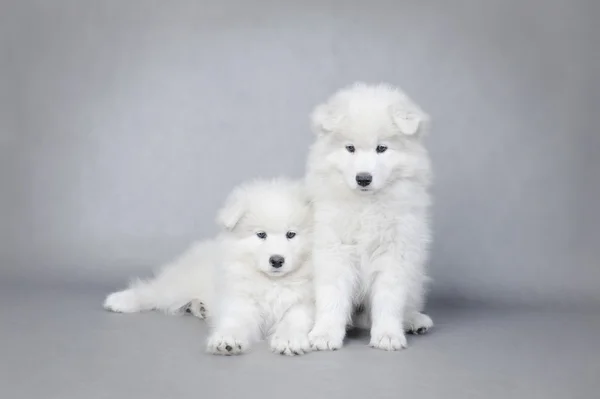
(370, 136)
(268, 223)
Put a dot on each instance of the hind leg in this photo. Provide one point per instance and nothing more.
(174, 287)
(417, 323)
(156, 294)
(164, 292)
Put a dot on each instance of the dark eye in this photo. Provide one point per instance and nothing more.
(290, 234)
(350, 148)
(381, 148)
(262, 235)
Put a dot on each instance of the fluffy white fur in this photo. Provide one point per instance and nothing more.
(370, 243)
(232, 281)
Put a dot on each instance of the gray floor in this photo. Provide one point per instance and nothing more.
(57, 342)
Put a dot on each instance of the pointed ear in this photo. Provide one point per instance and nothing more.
(233, 210)
(410, 120)
(324, 119)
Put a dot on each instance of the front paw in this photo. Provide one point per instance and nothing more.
(388, 341)
(290, 345)
(226, 345)
(325, 339)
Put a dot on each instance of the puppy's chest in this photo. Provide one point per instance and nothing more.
(363, 225)
(276, 299)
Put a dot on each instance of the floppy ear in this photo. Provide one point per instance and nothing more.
(324, 118)
(410, 120)
(233, 210)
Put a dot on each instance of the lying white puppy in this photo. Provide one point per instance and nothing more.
(253, 280)
(368, 174)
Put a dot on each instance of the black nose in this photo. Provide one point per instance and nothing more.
(276, 261)
(364, 179)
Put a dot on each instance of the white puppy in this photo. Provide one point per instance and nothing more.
(368, 174)
(253, 280)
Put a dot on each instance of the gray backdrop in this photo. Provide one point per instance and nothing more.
(125, 123)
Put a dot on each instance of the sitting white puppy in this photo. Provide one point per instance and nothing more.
(253, 280)
(368, 174)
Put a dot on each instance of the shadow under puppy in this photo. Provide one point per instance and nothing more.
(254, 280)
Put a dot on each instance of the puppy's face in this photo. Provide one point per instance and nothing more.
(276, 251)
(370, 136)
(269, 222)
(367, 162)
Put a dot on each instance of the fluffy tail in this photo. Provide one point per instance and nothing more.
(185, 284)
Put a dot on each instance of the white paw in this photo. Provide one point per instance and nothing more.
(197, 309)
(325, 340)
(291, 345)
(388, 341)
(418, 323)
(227, 345)
(122, 302)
